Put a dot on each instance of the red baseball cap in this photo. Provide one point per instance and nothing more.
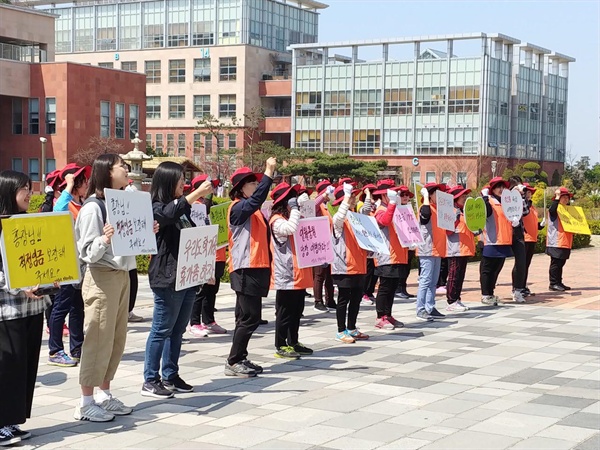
(197, 181)
(322, 185)
(383, 186)
(75, 170)
(565, 191)
(338, 195)
(53, 179)
(240, 175)
(282, 192)
(497, 180)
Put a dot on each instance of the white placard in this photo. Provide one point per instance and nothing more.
(308, 209)
(446, 216)
(130, 213)
(367, 233)
(198, 214)
(512, 204)
(197, 255)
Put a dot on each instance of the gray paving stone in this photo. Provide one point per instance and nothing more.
(541, 443)
(407, 382)
(582, 420)
(592, 443)
(567, 402)
(529, 376)
(467, 439)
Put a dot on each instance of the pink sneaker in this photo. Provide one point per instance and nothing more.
(384, 324)
(366, 300)
(214, 328)
(198, 330)
(395, 322)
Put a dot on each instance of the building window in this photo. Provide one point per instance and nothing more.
(431, 100)
(119, 120)
(159, 143)
(148, 139)
(129, 66)
(177, 71)
(415, 177)
(337, 103)
(465, 99)
(397, 102)
(181, 144)
(17, 116)
(201, 70)
(367, 102)
(227, 69)
(461, 178)
(446, 177)
(178, 19)
(308, 104)
(232, 140)
(207, 145)
(153, 107)
(227, 106)
(50, 116)
(220, 141)
(308, 140)
(201, 106)
(367, 142)
(336, 141)
(104, 119)
(170, 143)
(17, 164)
(134, 120)
(197, 143)
(34, 169)
(154, 24)
(152, 72)
(106, 65)
(34, 116)
(176, 106)
(429, 177)
(50, 165)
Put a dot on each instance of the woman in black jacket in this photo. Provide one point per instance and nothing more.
(172, 308)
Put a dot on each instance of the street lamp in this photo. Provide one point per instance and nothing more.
(43, 140)
(494, 163)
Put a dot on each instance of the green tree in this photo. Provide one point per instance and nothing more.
(322, 165)
(210, 126)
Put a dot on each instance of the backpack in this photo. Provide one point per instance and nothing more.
(102, 206)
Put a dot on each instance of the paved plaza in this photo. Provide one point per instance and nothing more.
(517, 376)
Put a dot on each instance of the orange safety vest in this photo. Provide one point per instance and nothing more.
(530, 223)
(221, 252)
(556, 236)
(466, 238)
(398, 254)
(248, 243)
(349, 257)
(74, 209)
(498, 230)
(285, 273)
(434, 237)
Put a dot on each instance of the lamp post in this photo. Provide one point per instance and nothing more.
(494, 164)
(43, 140)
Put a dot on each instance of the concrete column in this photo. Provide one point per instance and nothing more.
(528, 58)
(449, 51)
(498, 47)
(352, 87)
(323, 78)
(384, 54)
(417, 52)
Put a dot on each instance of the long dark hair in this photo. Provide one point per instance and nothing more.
(100, 178)
(282, 208)
(10, 183)
(165, 180)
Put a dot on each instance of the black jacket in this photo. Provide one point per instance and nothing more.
(163, 265)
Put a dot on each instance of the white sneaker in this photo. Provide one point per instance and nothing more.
(462, 305)
(92, 412)
(215, 328)
(115, 406)
(518, 297)
(198, 331)
(456, 307)
(488, 300)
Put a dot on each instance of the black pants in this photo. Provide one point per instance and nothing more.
(457, 268)
(67, 301)
(529, 251)
(385, 296)
(322, 277)
(556, 270)
(48, 311)
(402, 284)
(519, 272)
(20, 342)
(489, 269)
(203, 310)
(370, 279)
(247, 318)
(443, 278)
(348, 301)
(288, 306)
(133, 288)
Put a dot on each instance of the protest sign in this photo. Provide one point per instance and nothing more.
(512, 204)
(367, 233)
(198, 214)
(196, 258)
(446, 216)
(418, 196)
(308, 209)
(475, 214)
(332, 209)
(130, 213)
(406, 226)
(265, 209)
(573, 219)
(39, 249)
(218, 216)
(312, 242)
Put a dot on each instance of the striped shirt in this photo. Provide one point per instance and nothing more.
(14, 304)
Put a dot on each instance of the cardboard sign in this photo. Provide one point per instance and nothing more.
(418, 196)
(308, 209)
(512, 204)
(218, 216)
(475, 214)
(406, 226)
(312, 242)
(573, 219)
(367, 233)
(197, 255)
(265, 209)
(446, 217)
(198, 214)
(39, 249)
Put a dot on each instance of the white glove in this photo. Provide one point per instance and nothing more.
(424, 193)
(515, 222)
(208, 179)
(48, 189)
(303, 199)
(329, 190)
(485, 192)
(543, 222)
(348, 190)
(520, 187)
(412, 246)
(393, 196)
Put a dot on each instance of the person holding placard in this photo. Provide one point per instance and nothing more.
(402, 292)
(202, 321)
(348, 268)
(519, 272)
(430, 253)
(249, 261)
(172, 309)
(497, 240)
(322, 274)
(21, 323)
(531, 226)
(367, 206)
(558, 241)
(287, 278)
(388, 267)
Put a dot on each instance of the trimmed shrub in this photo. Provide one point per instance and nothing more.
(142, 261)
(35, 203)
(594, 226)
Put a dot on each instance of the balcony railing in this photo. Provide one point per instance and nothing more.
(277, 75)
(29, 53)
(278, 112)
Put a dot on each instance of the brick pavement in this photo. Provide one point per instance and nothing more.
(517, 376)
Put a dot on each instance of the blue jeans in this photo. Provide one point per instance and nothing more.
(172, 310)
(67, 301)
(428, 276)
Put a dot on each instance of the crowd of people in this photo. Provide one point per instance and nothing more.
(261, 257)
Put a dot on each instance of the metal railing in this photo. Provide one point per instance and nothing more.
(278, 112)
(29, 53)
(277, 75)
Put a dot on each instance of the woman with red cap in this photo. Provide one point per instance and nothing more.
(249, 261)
(367, 206)
(289, 281)
(402, 293)
(202, 320)
(461, 246)
(558, 241)
(497, 240)
(322, 274)
(531, 226)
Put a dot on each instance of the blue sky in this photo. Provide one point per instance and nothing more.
(568, 27)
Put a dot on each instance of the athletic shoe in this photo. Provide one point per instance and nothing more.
(7, 437)
(403, 295)
(177, 385)
(65, 330)
(17, 432)
(239, 370)
(215, 328)
(320, 307)
(331, 306)
(366, 300)
(358, 335)
(395, 322)
(456, 307)
(134, 318)
(302, 350)
(155, 389)
(384, 324)
(115, 406)
(345, 337)
(92, 412)
(518, 297)
(61, 359)
(286, 352)
(424, 315)
(441, 290)
(263, 322)
(526, 292)
(258, 369)
(556, 287)
(488, 300)
(436, 314)
(198, 330)
(462, 305)
(76, 357)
